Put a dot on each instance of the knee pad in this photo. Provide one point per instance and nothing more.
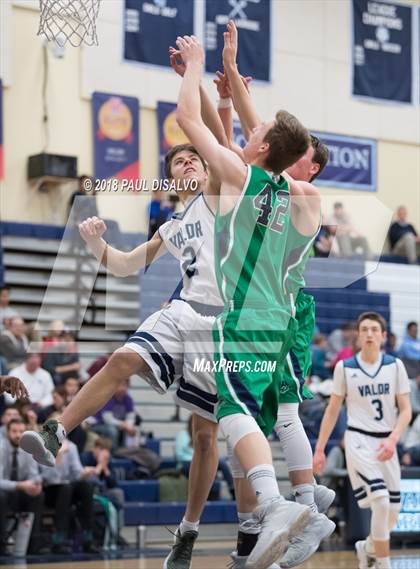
(379, 528)
(235, 465)
(235, 427)
(292, 436)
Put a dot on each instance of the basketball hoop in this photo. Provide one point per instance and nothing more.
(69, 20)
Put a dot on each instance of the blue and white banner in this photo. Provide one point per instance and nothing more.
(150, 27)
(382, 51)
(116, 136)
(351, 165)
(252, 18)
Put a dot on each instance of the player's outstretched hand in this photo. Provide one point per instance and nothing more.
(230, 47)
(223, 85)
(92, 228)
(319, 462)
(13, 386)
(386, 449)
(190, 49)
(176, 61)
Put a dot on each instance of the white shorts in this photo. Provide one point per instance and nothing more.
(369, 477)
(172, 341)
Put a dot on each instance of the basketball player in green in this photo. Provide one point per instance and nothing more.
(256, 327)
(288, 390)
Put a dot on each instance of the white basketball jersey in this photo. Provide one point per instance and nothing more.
(370, 391)
(189, 236)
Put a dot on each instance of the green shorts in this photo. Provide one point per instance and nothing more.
(250, 348)
(289, 380)
(292, 387)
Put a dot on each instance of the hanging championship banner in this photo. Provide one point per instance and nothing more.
(382, 50)
(1, 133)
(116, 136)
(252, 18)
(150, 27)
(170, 134)
(351, 164)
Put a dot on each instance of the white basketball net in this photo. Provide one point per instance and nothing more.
(69, 20)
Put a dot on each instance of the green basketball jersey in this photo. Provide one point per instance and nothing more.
(251, 243)
(298, 251)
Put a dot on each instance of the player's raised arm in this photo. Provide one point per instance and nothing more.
(208, 112)
(241, 98)
(225, 109)
(119, 263)
(226, 165)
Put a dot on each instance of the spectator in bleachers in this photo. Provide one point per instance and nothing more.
(99, 458)
(348, 238)
(98, 364)
(14, 342)
(6, 313)
(403, 237)
(116, 420)
(409, 351)
(391, 345)
(184, 454)
(71, 387)
(325, 245)
(4, 370)
(53, 336)
(161, 209)
(62, 360)
(55, 407)
(37, 381)
(65, 485)
(411, 455)
(320, 366)
(20, 483)
(311, 412)
(9, 413)
(347, 351)
(341, 338)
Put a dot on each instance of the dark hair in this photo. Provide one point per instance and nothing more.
(4, 287)
(412, 323)
(15, 422)
(372, 316)
(321, 154)
(176, 150)
(288, 140)
(61, 391)
(71, 377)
(350, 325)
(338, 204)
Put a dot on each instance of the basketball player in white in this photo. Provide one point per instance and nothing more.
(377, 391)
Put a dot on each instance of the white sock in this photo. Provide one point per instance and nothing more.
(185, 525)
(383, 563)
(304, 494)
(264, 482)
(244, 517)
(60, 433)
